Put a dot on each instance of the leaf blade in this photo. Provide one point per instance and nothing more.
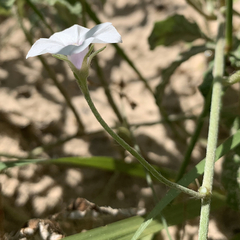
(124, 230)
(198, 170)
(173, 29)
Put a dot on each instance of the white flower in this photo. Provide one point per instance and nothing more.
(74, 41)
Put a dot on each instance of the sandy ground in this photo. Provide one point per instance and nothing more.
(33, 112)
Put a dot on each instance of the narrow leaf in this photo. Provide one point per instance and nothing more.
(103, 163)
(124, 230)
(230, 180)
(229, 144)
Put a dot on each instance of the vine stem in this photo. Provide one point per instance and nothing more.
(146, 165)
(213, 131)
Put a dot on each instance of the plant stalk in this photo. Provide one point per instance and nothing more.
(213, 131)
(119, 140)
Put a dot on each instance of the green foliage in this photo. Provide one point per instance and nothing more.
(230, 179)
(173, 29)
(236, 237)
(206, 87)
(124, 230)
(7, 4)
(228, 145)
(166, 33)
(74, 7)
(231, 172)
(103, 163)
(234, 55)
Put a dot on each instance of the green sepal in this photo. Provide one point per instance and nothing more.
(81, 75)
(94, 54)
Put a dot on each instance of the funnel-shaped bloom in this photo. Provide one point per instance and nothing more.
(74, 41)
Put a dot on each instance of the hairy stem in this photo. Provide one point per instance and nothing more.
(119, 140)
(213, 131)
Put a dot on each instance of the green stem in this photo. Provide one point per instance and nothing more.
(100, 73)
(229, 13)
(213, 131)
(81, 77)
(119, 140)
(194, 138)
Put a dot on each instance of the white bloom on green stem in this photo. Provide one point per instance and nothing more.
(73, 42)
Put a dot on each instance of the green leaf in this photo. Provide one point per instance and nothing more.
(152, 219)
(234, 56)
(104, 163)
(124, 230)
(173, 29)
(230, 179)
(167, 72)
(228, 145)
(6, 4)
(236, 237)
(19, 163)
(207, 83)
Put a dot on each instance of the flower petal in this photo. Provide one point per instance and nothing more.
(75, 40)
(70, 36)
(77, 59)
(104, 33)
(73, 49)
(44, 45)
